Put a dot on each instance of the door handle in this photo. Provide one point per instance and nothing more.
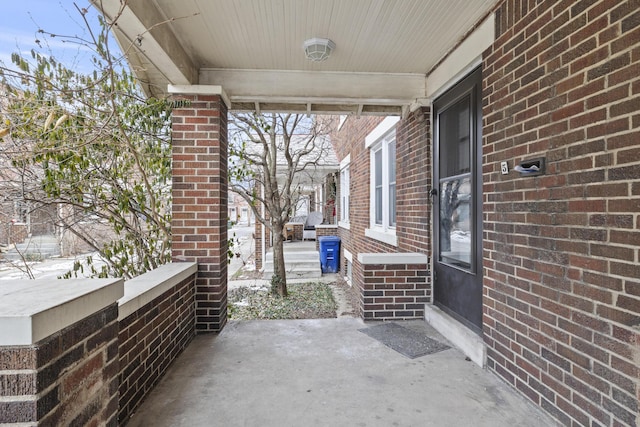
(433, 192)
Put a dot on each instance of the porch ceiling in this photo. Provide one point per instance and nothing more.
(253, 49)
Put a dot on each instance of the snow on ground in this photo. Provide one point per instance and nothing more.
(50, 268)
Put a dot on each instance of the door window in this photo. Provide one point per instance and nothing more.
(456, 227)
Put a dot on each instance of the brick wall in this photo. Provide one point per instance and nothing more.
(69, 378)
(259, 256)
(562, 250)
(150, 339)
(11, 233)
(199, 225)
(394, 290)
(413, 180)
(413, 184)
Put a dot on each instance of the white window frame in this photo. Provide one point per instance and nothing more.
(379, 140)
(345, 193)
(348, 274)
(343, 118)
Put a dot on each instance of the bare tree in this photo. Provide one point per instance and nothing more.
(274, 158)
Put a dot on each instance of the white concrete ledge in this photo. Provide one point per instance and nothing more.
(462, 337)
(32, 310)
(143, 289)
(393, 258)
(327, 226)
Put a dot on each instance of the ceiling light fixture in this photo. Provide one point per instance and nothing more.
(317, 49)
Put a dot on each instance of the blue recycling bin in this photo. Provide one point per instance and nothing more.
(329, 253)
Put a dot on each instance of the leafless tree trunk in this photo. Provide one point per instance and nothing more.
(272, 158)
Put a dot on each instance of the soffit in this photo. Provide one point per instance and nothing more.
(253, 48)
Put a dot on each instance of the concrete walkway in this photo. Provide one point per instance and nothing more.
(326, 373)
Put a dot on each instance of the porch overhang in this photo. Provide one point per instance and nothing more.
(385, 50)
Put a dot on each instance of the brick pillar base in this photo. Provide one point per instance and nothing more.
(199, 224)
(395, 286)
(68, 378)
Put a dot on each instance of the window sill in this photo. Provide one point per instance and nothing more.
(388, 237)
(345, 225)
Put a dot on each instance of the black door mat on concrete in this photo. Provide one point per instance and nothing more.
(405, 341)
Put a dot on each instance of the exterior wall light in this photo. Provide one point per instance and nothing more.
(317, 49)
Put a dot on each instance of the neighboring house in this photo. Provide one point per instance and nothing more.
(239, 210)
(20, 217)
(499, 200)
(313, 189)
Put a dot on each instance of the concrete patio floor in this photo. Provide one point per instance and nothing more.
(327, 373)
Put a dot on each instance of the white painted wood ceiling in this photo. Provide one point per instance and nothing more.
(217, 39)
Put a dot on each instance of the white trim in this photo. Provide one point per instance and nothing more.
(388, 237)
(348, 271)
(143, 289)
(341, 121)
(381, 145)
(346, 161)
(455, 79)
(466, 57)
(200, 90)
(345, 225)
(393, 258)
(345, 212)
(385, 126)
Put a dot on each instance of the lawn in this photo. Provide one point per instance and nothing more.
(313, 300)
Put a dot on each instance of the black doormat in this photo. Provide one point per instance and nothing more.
(403, 340)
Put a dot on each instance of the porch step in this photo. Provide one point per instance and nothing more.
(299, 264)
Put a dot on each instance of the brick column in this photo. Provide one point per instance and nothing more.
(258, 242)
(199, 225)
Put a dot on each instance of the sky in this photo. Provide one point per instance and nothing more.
(21, 19)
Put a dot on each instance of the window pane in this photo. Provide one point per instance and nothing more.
(344, 192)
(456, 227)
(379, 205)
(378, 167)
(392, 183)
(454, 127)
(392, 161)
(378, 186)
(392, 204)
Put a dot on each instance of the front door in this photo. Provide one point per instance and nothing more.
(457, 197)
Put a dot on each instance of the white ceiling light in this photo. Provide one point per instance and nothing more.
(317, 49)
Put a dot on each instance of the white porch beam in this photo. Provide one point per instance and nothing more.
(317, 87)
(320, 107)
(145, 35)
